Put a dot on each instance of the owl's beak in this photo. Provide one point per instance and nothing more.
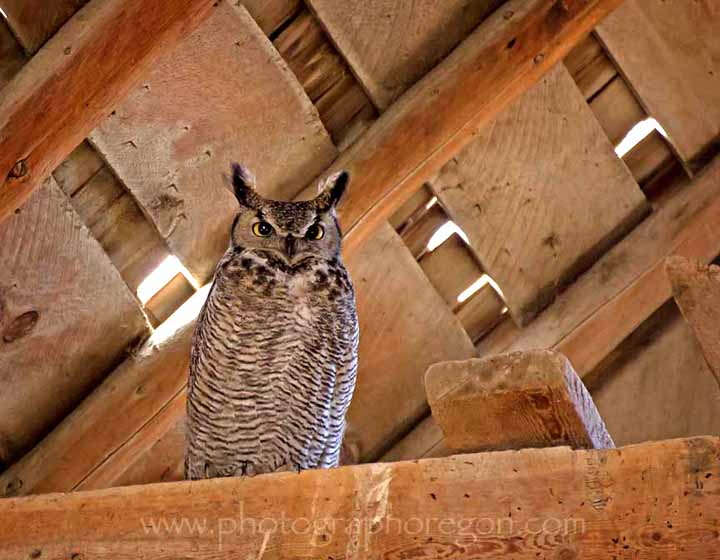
(290, 247)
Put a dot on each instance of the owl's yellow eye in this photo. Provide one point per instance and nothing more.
(315, 232)
(262, 229)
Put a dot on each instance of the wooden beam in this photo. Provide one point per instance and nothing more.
(655, 500)
(432, 121)
(76, 80)
(34, 21)
(696, 288)
(514, 401)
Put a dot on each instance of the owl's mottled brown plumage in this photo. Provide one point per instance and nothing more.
(274, 355)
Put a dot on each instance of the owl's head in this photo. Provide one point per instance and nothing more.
(290, 231)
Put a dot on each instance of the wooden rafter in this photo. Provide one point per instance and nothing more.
(652, 500)
(75, 81)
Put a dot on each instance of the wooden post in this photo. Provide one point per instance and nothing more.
(655, 500)
(696, 289)
(514, 401)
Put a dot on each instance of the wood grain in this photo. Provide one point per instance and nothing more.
(391, 45)
(589, 66)
(513, 401)
(394, 296)
(66, 318)
(696, 288)
(643, 500)
(68, 87)
(34, 21)
(410, 142)
(658, 385)
(670, 54)
(170, 147)
(546, 163)
(270, 15)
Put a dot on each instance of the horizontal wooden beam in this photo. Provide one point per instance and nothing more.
(75, 80)
(655, 500)
(514, 401)
(442, 113)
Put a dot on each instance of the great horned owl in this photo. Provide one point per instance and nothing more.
(274, 353)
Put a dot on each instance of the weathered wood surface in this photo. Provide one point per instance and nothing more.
(406, 326)
(657, 385)
(171, 147)
(271, 14)
(616, 109)
(589, 66)
(411, 141)
(514, 401)
(696, 288)
(481, 312)
(546, 163)
(34, 21)
(612, 299)
(656, 500)
(68, 87)
(670, 54)
(66, 317)
(11, 56)
(391, 45)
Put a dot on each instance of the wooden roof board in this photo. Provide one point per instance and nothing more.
(405, 326)
(538, 192)
(223, 95)
(670, 54)
(11, 56)
(34, 21)
(390, 45)
(66, 316)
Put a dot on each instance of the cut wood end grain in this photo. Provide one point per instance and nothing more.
(511, 401)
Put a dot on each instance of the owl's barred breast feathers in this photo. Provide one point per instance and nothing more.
(274, 355)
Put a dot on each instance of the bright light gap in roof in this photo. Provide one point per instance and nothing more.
(182, 316)
(478, 285)
(637, 134)
(3, 14)
(161, 277)
(443, 233)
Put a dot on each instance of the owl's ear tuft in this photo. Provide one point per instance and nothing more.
(332, 190)
(243, 182)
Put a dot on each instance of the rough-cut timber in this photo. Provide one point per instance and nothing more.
(116, 412)
(539, 193)
(656, 500)
(414, 138)
(271, 14)
(171, 146)
(696, 288)
(656, 384)
(670, 54)
(66, 317)
(514, 401)
(34, 21)
(76, 80)
(391, 45)
(406, 326)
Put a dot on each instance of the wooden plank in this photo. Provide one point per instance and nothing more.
(11, 56)
(546, 162)
(451, 268)
(627, 285)
(617, 110)
(670, 54)
(657, 385)
(649, 160)
(390, 46)
(417, 233)
(79, 167)
(270, 15)
(66, 317)
(416, 205)
(170, 147)
(514, 401)
(696, 288)
(34, 21)
(589, 66)
(394, 296)
(409, 143)
(481, 312)
(425, 441)
(167, 300)
(644, 500)
(61, 95)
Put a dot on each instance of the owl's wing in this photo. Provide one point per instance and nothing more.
(348, 340)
